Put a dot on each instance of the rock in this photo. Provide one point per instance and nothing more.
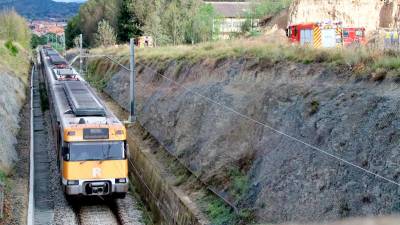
(206, 124)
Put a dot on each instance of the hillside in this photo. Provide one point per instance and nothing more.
(371, 14)
(41, 9)
(334, 101)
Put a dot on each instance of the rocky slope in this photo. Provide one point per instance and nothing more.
(11, 101)
(370, 14)
(276, 178)
(13, 83)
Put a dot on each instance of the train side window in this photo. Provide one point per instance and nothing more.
(65, 153)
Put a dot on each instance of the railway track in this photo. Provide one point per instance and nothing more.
(48, 202)
(97, 215)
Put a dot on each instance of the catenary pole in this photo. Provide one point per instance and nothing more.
(80, 54)
(132, 117)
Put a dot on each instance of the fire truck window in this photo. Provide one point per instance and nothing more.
(345, 33)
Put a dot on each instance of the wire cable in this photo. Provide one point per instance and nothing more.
(338, 158)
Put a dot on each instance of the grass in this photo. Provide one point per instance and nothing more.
(314, 107)
(3, 176)
(14, 58)
(239, 183)
(218, 212)
(147, 217)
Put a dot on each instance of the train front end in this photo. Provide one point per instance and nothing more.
(94, 161)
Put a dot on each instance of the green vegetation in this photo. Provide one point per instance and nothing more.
(3, 177)
(314, 107)
(88, 18)
(11, 47)
(14, 39)
(14, 28)
(239, 183)
(218, 212)
(36, 41)
(147, 216)
(361, 61)
(105, 35)
(167, 21)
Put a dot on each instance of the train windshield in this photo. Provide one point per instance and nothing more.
(89, 151)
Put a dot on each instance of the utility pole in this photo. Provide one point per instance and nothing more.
(63, 42)
(80, 55)
(132, 117)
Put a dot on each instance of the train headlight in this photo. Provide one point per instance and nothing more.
(73, 182)
(120, 180)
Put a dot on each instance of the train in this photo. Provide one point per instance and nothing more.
(91, 145)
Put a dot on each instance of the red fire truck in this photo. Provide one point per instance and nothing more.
(353, 36)
(326, 35)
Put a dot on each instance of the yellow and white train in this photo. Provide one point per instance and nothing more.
(90, 141)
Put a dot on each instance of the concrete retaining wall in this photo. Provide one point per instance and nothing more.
(170, 205)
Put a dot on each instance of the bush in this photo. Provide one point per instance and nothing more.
(11, 47)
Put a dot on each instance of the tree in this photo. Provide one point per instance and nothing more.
(174, 22)
(94, 11)
(105, 34)
(36, 41)
(204, 24)
(128, 23)
(72, 31)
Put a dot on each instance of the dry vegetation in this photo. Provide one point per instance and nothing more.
(17, 63)
(361, 61)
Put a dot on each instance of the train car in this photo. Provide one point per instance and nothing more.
(90, 141)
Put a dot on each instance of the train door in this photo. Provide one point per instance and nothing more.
(328, 38)
(306, 37)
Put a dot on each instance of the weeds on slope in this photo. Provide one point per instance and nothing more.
(360, 60)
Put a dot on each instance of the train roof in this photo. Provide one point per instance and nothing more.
(57, 60)
(74, 100)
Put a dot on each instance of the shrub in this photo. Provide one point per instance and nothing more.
(11, 47)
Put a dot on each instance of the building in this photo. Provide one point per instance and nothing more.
(233, 17)
(42, 27)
